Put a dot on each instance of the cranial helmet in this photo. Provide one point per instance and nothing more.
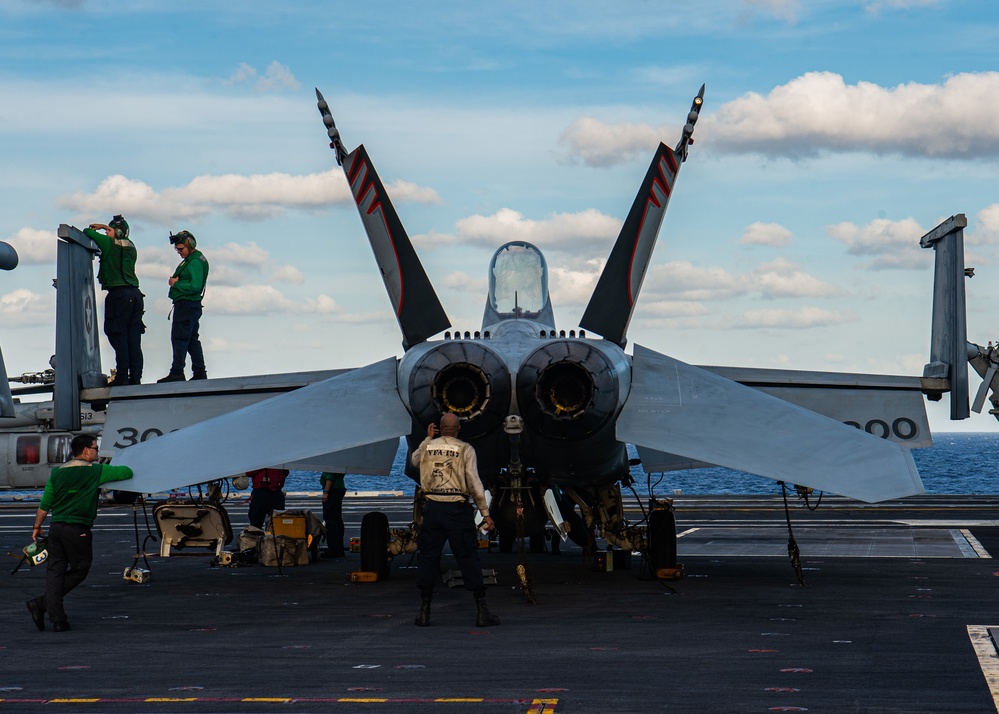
(119, 224)
(185, 238)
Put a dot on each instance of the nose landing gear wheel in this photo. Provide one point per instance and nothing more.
(374, 544)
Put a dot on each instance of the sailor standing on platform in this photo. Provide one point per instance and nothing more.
(123, 306)
(187, 288)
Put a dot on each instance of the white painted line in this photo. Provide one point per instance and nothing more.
(979, 548)
(687, 532)
(987, 659)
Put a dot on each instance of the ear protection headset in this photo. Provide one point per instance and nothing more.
(120, 225)
(185, 238)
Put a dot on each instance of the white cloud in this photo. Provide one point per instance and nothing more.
(772, 234)
(793, 319)
(34, 247)
(254, 197)
(596, 143)
(262, 300)
(570, 287)
(819, 112)
(23, 308)
(782, 278)
(584, 232)
(287, 274)
(987, 230)
(681, 280)
(891, 243)
(250, 254)
(673, 308)
(275, 78)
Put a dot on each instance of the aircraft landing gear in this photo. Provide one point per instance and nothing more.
(374, 544)
(662, 540)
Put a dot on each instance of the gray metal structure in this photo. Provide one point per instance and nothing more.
(78, 353)
(8, 261)
(949, 341)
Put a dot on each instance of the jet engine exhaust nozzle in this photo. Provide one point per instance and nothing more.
(567, 390)
(465, 378)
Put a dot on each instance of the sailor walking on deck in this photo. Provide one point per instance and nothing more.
(123, 306)
(71, 494)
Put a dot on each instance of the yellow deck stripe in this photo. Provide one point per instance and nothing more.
(988, 660)
(978, 547)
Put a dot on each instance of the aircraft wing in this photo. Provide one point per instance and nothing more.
(349, 411)
(680, 409)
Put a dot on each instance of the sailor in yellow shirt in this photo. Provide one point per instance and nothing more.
(448, 476)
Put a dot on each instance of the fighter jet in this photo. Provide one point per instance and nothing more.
(544, 407)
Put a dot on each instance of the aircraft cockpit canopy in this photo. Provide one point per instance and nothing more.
(518, 283)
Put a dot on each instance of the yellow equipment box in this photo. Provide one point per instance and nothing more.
(364, 576)
(289, 525)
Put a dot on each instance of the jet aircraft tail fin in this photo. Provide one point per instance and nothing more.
(613, 301)
(78, 354)
(949, 338)
(416, 305)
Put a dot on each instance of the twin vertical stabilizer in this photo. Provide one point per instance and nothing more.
(613, 301)
(416, 305)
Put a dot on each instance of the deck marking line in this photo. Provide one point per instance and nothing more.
(979, 548)
(985, 649)
(542, 706)
(688, 532)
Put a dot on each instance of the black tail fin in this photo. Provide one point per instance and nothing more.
(949, 339)
(78, 354)
(417, 308)
(613, 301)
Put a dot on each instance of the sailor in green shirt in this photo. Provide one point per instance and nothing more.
(187, 288)
(71, 495)
(333, 492)
(123, 306)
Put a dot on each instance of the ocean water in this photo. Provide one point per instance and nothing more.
(957, 463)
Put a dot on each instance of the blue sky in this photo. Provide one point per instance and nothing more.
(833, 135)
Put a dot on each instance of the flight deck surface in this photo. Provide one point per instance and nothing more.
(894, 616)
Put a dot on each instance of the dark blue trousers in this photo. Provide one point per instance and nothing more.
(71, 552)
(185, 339)
(454, 523)
(333, 517)
(123, 308)
(263, 502)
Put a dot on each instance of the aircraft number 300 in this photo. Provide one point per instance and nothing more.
(129, 436)
(902, 428)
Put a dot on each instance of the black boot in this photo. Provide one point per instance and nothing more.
(485, 618)
(172, 377)
(423, 619)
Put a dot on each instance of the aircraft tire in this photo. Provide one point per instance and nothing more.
(126, 498)
(506, 541)
(662, 540)
(374, 544)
